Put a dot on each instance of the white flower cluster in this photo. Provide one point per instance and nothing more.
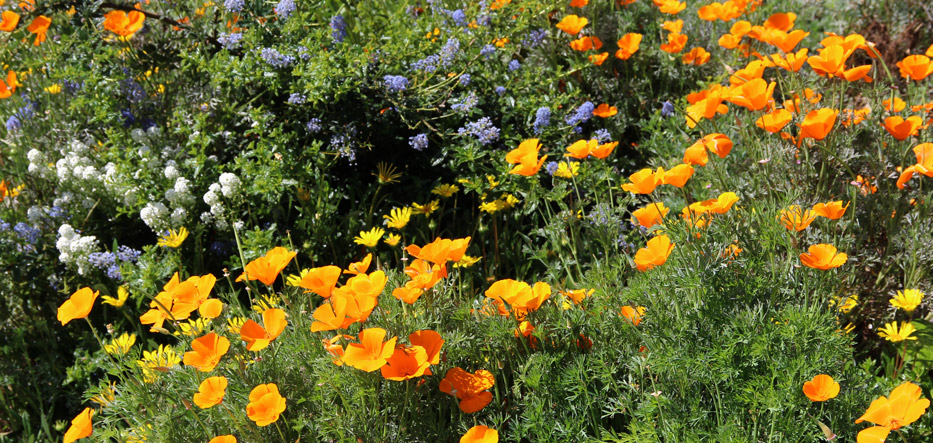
(76, 170)
(74, 248)
(229, 187)
(38, 163)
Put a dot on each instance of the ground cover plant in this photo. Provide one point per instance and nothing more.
(480, 221)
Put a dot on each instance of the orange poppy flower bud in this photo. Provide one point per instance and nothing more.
(480, 434)
(80, 426)
(211, 392)
(915, 67)
(832, 210)
(265, 404)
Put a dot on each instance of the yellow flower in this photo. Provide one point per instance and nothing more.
(192, 327)
(891, 333)
(466, 261)
(160, 359)
(398, 218)
(54, 89)
(106, 395)
(266, 302)
(120, 345)
(118, 302)
(845, 304)
(492, 181)
(386, 173)
(173, 239)
(567, 169)
(848, 328)
(445, 190)
(369, 238)
(393, 239)
(234, 324)
(427, 208)
(907, 300)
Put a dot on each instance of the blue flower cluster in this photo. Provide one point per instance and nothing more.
(314, 125)
(667, 109)
(285, 8)
(419, 142)
(26, 232)
(458, 17)
(230, 41)
(132, 90)
(442, 59)
(487, 50)
(500, 90)
(464, 105)
(395, 83)
(275, 58)
(534, 38)
(465, 80)
(582, 114)
(338, 28)
(551, 167)
(296, 98)
(234, 5)
(110, 262)
(542, 119)
(602, 135)
(482, 129)
(514, 65)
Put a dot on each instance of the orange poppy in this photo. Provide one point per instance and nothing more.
(898, 104)
(673, 27)
(77, 306)
(830, 62)
(518, 295)
(579, 3)
(720, 144)
(678, 175)
(441, 250)
(605, 111)
(628, 45)
(754, 95)
(480, 434)
(915, 67)
(924, 165)
(206, 352)
(321, 281)
(675, 43)
(832, 210)
(470, 389)
(360, 267)
(729, 41)
(781, 21)
(10, 20)
(39, 26)
(80, 426)
(823, 257)
(655, 254)
(265, 404)
(708, 106)
(123, 24)
(791, 61)
(710, 12)
(577, 295)
(572, 24)
(651, 215)
(268, 267)
(774, 121)
(644, 181)
(370, 353)
(223, 439)
(8, 87)
(602, 151)
(795, 218)
(818, 123)
(431, 341)
(598, 59)
(211, 392)
(633, 315)
(900, 128)
(192, 294)
(754, 69)
(586, 43)
(903, 407)
(331, 315)
(671, 7)
(785, 41)
(406, 362)
(526, 158)
(258, 337)
(855, 116)
(696, 56)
